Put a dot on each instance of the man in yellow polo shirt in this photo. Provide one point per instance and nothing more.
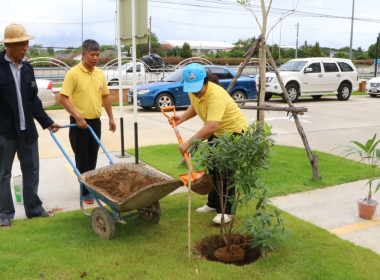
(220, 114)
(83, 92)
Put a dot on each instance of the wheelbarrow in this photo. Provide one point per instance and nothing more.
(143, 200)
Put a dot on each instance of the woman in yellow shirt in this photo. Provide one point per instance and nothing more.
(220, 114)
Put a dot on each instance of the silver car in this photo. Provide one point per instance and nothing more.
(45, 92)
(373, 87)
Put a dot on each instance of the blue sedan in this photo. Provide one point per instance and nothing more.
(169, 91)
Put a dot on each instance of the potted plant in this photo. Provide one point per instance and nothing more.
(370, 155)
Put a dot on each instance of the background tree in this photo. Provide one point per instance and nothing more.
(316, 51)
(50, 51)
(275, 51)
(186, 51)
(33, 51)
(176, 52)
(372, 51)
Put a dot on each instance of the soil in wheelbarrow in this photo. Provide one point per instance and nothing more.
(120, 184)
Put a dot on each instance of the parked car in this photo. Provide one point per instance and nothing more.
(143, 74)
(373, 87)
(314, 76)
(45, 92)
(170, 92)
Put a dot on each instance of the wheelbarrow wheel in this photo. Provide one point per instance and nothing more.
(102, 223)
(151, 213)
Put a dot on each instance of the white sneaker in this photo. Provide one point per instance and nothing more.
(205, 209)
(218, 219)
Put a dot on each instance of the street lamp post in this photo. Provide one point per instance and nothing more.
(377, 55)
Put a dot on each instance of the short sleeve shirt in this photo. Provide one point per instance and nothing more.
(85, 90)
(217, 105)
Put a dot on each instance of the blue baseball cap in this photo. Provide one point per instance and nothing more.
(194, 75)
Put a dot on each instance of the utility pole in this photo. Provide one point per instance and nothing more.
(298, 27)
(279, 45)
(377, 55)
(150, 35)
(82, 21)
(352, 29)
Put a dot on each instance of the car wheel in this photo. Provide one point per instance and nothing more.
(316, 97)
(163, 100)
(372, 95)
(293, 92)
(267, 97)
(238, 95)
(344, 92)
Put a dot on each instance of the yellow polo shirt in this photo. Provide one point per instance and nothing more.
(217, 105)
(85, 90)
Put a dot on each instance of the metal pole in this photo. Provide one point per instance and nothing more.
(298, 26)
(377, 55)
(82, 21)
(352, 29)
(150, 35)
(134, 79)
(279, 45)
(121, 103)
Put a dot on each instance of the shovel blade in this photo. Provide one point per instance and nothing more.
(194, 176)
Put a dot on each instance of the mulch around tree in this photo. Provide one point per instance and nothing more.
(213, 248)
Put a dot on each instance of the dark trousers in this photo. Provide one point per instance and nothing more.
(27, 153)
(213, 199)
(84, 145)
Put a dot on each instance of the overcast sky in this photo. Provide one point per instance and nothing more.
(57, 23)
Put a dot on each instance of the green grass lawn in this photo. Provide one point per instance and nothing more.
(65, 247)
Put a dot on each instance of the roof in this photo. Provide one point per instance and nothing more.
(168, 46)
(200, 44)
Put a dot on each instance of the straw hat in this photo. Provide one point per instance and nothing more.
(14, 33)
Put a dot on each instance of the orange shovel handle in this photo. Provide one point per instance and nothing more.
(174, 125)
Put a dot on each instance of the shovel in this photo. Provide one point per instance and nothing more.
(201, 182)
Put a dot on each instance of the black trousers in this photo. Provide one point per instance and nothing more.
(213, 199)
(84, 145)
(27, 153)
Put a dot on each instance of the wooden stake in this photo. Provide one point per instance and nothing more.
(189, 211)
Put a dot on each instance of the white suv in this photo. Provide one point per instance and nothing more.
(314, 76)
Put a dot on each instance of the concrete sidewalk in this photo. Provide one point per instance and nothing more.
(335, 209)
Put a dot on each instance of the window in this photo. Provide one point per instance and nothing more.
(344, 67)
(220, 73)
(316, 66)
(330, 67)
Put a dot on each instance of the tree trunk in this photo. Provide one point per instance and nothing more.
(313, 159)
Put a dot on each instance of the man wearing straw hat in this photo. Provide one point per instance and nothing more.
(19, 106)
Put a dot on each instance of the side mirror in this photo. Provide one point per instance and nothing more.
(308, 70)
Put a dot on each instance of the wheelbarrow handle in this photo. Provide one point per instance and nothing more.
(67, 156)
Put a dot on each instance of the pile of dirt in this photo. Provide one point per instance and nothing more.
(213, 248)
(120, 184)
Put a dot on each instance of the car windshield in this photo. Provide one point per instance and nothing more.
(176, 76)
(295, 66)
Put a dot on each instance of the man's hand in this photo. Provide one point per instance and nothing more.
(81, 123)
(112, 125)
(184, 147)
(55, 127)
